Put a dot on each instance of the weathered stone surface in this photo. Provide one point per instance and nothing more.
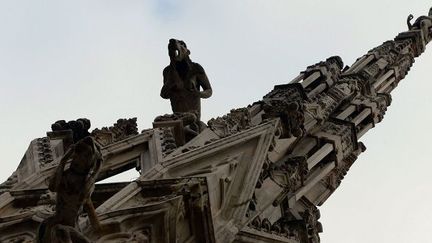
(257, 174)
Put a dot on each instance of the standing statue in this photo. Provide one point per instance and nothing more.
(423, 23)
(74, 187)
(182, 83)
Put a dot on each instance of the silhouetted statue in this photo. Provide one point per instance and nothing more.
(183, 80)
(74, 187)
(423, 23)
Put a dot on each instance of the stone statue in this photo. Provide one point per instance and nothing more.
(74, 187)
(423, 23)
(182, 83)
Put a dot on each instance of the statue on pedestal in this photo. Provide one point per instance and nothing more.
(182, 83)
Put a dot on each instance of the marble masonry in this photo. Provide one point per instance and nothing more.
(257, 174)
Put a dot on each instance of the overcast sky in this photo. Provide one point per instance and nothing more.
(103, 60)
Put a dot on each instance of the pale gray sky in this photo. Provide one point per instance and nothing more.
(103, 60)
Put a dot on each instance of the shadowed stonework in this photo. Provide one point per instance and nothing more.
(256, 174)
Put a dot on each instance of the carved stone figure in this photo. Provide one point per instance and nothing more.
(74, 187)
(182, 84)
(257, 174)
(424, 23)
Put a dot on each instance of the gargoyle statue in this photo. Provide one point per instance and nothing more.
(182, 81)
(74, 187)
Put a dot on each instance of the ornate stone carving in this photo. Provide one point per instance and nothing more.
(321, 107)
(335, 178)
(324, 104)
(228, 187)
(404, 65)
(235, 121)
(330, 71)
(305, 227)
(383, 101)
(122, 129)
(387, 51)
(278, 228)
(377, 104)
(168, 142)
(313, 226)
(174, 210)
(342, 134)
(286, 102)
(290, 173)
(44, 151)
(343, 90)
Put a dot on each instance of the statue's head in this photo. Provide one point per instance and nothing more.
(84, 156)
(177, 50)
